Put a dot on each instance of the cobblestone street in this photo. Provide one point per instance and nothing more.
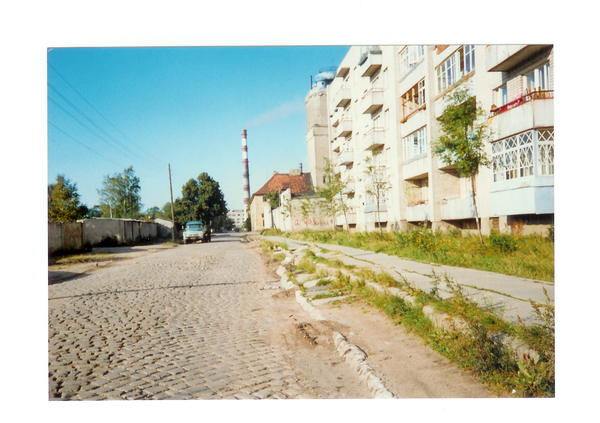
(189, 322)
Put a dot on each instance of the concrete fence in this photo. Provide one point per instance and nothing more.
(65, 236)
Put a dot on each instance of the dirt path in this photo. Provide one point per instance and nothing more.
(407, 367)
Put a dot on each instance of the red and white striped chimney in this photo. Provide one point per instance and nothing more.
(246, 173)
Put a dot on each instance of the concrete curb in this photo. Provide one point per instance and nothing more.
(312, 311)
(356, 358)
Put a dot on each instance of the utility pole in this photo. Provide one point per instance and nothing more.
(172, 209)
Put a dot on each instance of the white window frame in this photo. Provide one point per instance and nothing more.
(539, 78)
(501, 95)
(519, 155)
(410, 57)
(415, 144)
(421, 89)
(413, 99)
(451, 70)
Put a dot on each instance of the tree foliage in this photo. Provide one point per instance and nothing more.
(307, 208)
(463, 137)
(120, 195)
(273, 199)
(63, 201)
(201, 200)
(334, 198)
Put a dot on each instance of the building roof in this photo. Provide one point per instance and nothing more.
(298, 184)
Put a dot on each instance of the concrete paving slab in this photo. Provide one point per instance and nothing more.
(508, 294)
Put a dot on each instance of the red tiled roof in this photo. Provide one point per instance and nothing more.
(298, 184)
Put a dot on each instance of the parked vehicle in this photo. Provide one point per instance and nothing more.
(195, 231)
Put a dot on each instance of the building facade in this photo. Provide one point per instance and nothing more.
(383, 107)
(238, 217)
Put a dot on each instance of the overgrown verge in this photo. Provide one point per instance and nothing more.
(475, 344)
(528, 256)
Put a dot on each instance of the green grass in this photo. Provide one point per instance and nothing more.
(475, 350)
(530, 256)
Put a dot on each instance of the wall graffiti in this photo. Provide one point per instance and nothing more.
(313, 222)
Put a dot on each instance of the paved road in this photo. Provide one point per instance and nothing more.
(181, 324)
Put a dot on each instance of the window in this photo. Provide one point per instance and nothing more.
(469, 58)
(539, 78)
(410, 57)
(458, 64)
(413, 99)
(415, 144)
(545, 152)
(501, 96)
(515, 156)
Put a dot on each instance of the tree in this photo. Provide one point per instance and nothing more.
(378, 184)
(152, 212)
(94, 212)
(120, 195)
(63, 201)
(274, 202)
(463, 136)
(334, 198)
(307, 208)
(287, 209)
(201, 200)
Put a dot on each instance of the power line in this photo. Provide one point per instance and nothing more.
(90, 104)
(79, 142)
(132, 153)
(95, 152)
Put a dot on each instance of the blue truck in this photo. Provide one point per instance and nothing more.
(195, 231)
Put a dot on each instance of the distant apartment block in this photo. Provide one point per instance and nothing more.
(386, 100)
(238, 217)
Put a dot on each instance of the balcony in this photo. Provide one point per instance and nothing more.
(371, 62)
(530, 110)
(458, 207)
(346, 157)
(523, 173)
(417, 167)
(503, 58)
(374, 139)
(341, 220)
(342, 71)
(350, 187)
(344, 128)
(371, 214)
(343, 97)
(372, 100)
(335, 118)
(442, 165)
(418, 213)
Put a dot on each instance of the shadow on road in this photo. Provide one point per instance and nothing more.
(55, 277)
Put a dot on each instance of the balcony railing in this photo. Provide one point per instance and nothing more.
(343, 97)
(372, 100)
(524, 98)
(374, 138)
(346, 157)
(344, 128)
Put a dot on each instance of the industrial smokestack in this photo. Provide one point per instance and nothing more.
(246, 172)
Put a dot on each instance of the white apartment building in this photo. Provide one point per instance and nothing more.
(238, 216)
(387, 100)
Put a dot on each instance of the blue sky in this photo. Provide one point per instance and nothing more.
(110, 108)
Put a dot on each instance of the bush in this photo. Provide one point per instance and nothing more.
(550, 233)
(503, 242)
(424, 239)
